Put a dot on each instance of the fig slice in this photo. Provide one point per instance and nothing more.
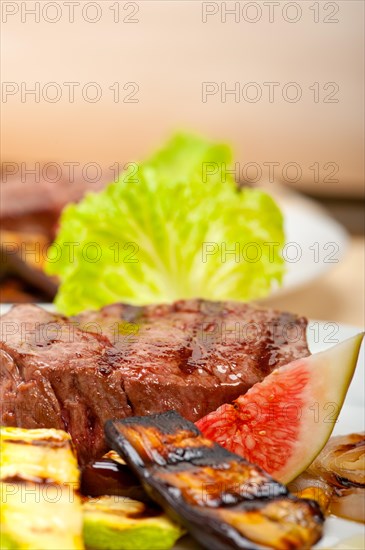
(283, 422)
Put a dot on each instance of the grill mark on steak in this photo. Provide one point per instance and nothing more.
(63, 411)
(129, 402)
(184, 355)
(202, 348)
(191, 356)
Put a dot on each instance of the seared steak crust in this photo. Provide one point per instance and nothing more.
(191, 356)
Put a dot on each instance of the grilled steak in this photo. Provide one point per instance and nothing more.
(191, 356)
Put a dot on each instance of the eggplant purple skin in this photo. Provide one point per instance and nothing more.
(107, 477)
(209, 531)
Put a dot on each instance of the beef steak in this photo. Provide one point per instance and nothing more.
(191, 356)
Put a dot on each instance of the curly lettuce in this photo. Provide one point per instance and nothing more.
(179, 228)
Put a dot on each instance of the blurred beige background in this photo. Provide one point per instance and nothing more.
(157, 55)
(169, 51)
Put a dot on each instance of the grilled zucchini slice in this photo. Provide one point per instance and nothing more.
(40, 504)
(120, 523)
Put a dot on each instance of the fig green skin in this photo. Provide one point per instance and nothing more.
(349, 352)
(104, 537)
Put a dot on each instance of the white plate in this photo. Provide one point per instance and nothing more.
(317, 241)
(322, 335)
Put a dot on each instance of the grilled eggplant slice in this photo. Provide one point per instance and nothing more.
(223, 500)
(120, 523)
(40, 506)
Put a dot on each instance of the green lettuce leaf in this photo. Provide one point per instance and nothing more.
(178, 228)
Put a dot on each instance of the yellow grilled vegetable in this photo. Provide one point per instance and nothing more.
(40, 504)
